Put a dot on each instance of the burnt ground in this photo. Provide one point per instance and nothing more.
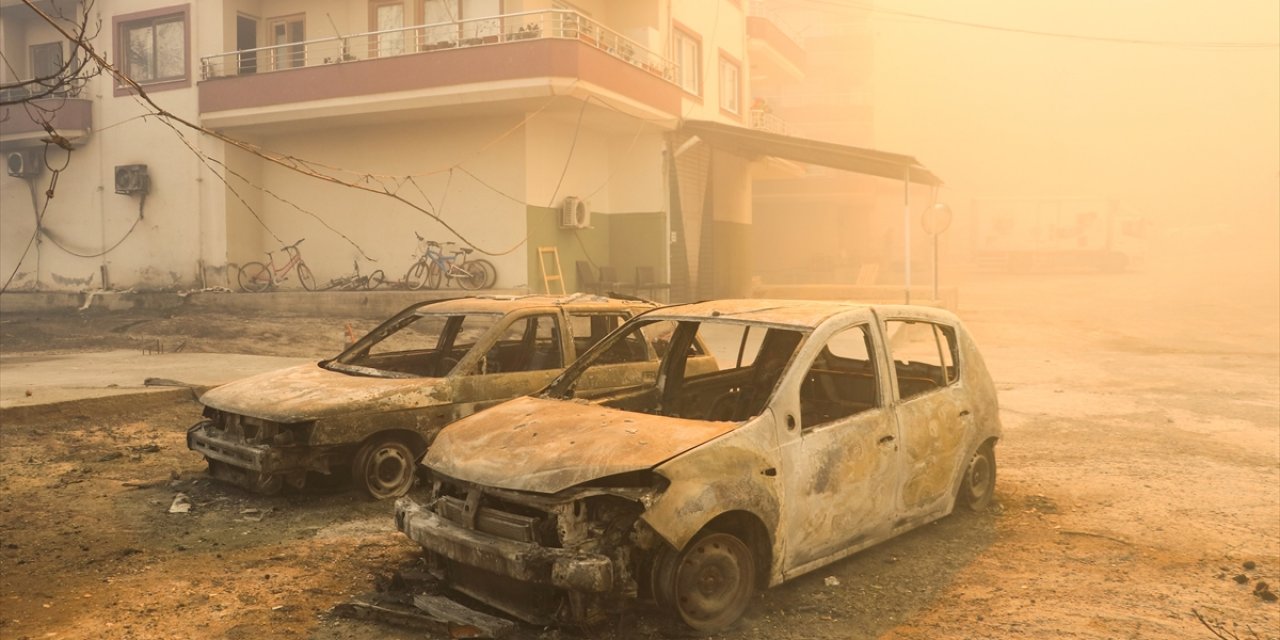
(1139, 473)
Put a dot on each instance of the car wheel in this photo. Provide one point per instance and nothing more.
(979, 482)
(707, 585)
(384, 468)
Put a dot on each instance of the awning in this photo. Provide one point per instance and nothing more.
(751, 143)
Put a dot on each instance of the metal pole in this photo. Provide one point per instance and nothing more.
(906, 233)
(935, 266)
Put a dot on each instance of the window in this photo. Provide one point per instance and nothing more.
(730, 85)
(484, 30)
(528, 344)
(841, 382)
(924, 356)
(46, 60)
(589, 328)
(688, 59)
(387, 16)
(151, 47)
(285, 36)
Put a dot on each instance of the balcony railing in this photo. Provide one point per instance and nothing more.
(474, 32)
(765, 120)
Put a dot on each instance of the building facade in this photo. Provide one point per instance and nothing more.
(353, 125)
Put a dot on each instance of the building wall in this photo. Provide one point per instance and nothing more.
(196, 230)
(161, 250)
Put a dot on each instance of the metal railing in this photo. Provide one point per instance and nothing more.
(495, 30)
(765, 120)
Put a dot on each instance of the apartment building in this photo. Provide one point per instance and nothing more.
(356, 124)
(487, 114)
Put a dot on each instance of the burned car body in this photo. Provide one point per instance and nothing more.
(825, 428)
(378, 405)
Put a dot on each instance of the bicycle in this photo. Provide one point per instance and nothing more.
(356, 281)
(256, 277)
(434, 265)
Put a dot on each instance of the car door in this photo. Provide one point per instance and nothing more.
(931, 410)
(520, 355)
(838, 446)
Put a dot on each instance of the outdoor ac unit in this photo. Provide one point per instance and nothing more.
(574, 213)
(132, 178)
(25, 164)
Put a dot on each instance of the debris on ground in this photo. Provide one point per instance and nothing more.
(181, 504)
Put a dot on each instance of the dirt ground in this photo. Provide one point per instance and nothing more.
(1139, 476)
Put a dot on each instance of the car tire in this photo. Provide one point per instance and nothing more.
(384, 468)
(708, 584)
(978, 485)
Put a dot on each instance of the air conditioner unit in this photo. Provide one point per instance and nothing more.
(574, 213)
(132, 178)
(27, 163)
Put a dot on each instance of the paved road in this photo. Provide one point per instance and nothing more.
(36, 379)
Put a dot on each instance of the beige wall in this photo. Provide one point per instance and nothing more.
(87, 216)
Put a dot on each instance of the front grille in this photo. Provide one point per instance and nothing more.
(245, 429)
(492, 521)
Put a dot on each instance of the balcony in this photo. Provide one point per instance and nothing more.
(451, 64)
(24, 125)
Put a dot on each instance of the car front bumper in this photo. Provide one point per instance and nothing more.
(524, 561)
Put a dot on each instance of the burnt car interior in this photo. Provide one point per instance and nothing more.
(527, 344)
(842, 379)
(413, 345)
(750, 362)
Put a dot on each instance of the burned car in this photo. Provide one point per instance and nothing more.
(825, 428)
(376, 407)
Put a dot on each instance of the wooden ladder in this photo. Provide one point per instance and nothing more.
(548, 278)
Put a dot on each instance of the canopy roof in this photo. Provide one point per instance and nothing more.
(752, 143)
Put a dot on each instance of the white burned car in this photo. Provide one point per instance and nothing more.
(376, 407)
(827, 427)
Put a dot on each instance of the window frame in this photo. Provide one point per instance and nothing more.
(375, 43)
(274, 57)
(34, 54)
(680, 32)
(121, 24)
(946, 339)
(729, 61)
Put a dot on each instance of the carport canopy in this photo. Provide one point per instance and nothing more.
(752, 143)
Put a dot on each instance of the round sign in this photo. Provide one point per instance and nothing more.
(936, 219)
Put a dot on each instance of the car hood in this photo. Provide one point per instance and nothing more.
(545, 446)
(308, 392)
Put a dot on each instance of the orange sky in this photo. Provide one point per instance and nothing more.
(1185, 134)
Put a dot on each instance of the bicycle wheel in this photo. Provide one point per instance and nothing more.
(375, 280)
(434, 276)
(416, 277)
(474, 277)
(490, 272)
(254, 277)
(305, 278)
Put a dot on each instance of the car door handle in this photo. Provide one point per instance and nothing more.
(885, 440)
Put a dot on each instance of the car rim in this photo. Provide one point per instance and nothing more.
(387, 470)
(979, 477)
(713, 582)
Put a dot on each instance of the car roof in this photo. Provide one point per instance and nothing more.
(793, 313)
(507, 304)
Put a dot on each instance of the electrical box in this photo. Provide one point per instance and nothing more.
(26, 163)
(132, 179)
